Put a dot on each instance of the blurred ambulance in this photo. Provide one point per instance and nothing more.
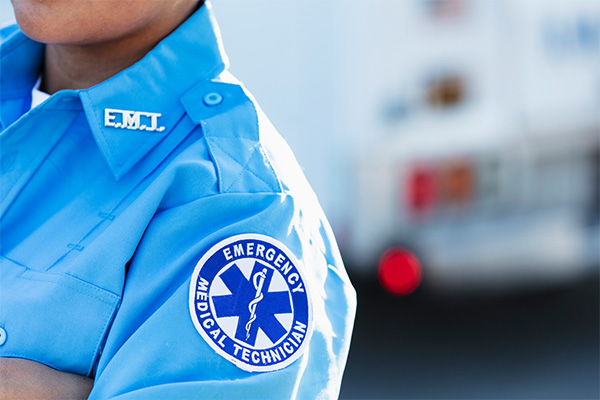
(451, 142)
(476, 165)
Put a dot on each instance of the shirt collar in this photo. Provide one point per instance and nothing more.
(130, 113)
(20, 62)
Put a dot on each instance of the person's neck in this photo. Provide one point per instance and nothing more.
(81, 66)
(84, 66)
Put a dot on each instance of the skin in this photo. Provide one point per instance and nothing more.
(87, 42)
(24, 379)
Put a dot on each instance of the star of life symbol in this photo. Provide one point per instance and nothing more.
(133, 120)
(249, 301)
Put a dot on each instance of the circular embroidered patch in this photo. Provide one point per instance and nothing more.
(249, 301)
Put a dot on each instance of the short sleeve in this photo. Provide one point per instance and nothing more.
(154, 349)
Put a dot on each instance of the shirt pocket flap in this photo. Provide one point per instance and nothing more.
(56, 319)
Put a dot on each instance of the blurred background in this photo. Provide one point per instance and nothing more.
(455, 147)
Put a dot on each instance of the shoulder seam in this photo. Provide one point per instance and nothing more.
(244, 168)
(264, 154)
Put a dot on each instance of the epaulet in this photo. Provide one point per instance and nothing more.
(229, 122)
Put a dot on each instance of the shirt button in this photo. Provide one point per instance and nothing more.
(2, 336)
(213, 99)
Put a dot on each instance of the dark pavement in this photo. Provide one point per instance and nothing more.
(543, 345)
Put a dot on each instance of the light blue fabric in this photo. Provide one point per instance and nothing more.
(102, 227)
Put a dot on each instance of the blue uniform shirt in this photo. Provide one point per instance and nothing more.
(158, 235)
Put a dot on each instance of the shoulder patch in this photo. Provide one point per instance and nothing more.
(248, 299)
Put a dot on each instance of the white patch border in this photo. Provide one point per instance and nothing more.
(192, 296)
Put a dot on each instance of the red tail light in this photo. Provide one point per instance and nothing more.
(421, 190)
(399, 271)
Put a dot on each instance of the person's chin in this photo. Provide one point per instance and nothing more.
(42, 21)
